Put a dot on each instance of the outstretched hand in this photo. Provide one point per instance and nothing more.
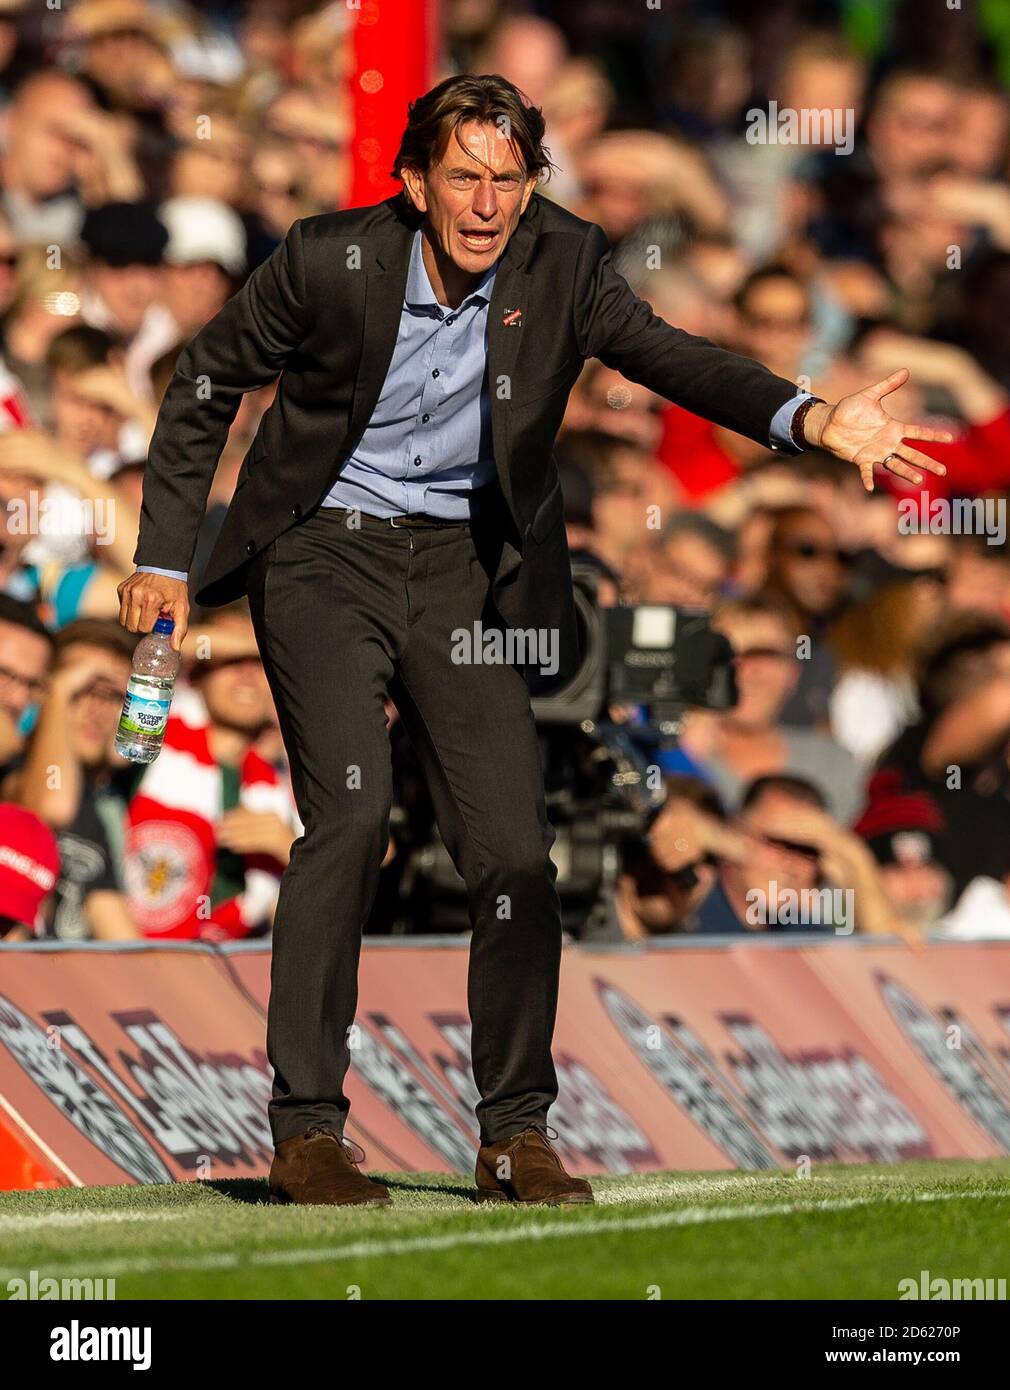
(859, 430)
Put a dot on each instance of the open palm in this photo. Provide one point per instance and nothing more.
(859, 430)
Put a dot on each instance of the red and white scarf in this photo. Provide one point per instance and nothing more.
(170, 854)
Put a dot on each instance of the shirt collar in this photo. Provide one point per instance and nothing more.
(419, 293)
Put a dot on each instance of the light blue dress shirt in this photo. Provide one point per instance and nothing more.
(428, 443)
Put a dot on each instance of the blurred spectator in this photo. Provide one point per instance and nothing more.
(61, 155)
(210, 826)
(204, 263)
(956, 751)
(808, 572)
(694, 559)
(902, 832)
(26, 649)
(29, 864)
(123, 282)
(666, 878)
(75, 781)
(319, 134)
(795, 855)
(876, 643)
(46, 300)
(752, 740)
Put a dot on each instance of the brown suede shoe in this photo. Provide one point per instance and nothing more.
(524, 1168)
(318, 1168)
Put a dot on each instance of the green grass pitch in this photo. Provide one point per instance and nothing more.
(842, 1232)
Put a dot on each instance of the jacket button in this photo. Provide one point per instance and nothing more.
(296, 510)
(250, 547)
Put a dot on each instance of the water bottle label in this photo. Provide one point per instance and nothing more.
(145, 709)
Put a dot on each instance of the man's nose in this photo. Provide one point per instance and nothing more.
(485, 201)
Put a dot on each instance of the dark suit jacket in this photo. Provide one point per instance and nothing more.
(323, 312)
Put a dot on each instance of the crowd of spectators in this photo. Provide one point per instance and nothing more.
(151, 155)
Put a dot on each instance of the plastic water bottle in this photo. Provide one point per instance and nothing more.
(148, 695)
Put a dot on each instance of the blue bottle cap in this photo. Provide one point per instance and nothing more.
(164, 625)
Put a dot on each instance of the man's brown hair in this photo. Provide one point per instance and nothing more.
(435, 118)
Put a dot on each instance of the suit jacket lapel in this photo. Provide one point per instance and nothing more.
(385, 287)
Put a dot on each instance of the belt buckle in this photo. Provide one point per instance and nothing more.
(395, 526)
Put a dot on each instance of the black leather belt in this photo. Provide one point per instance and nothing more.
(482, 500)
(419, 519)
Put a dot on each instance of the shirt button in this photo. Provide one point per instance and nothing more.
(436, 372)
(418, 459)
(425, 419)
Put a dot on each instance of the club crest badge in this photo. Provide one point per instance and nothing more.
(513, 318)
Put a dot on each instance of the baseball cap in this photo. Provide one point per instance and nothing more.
(901, 826)
(29, 863)
(204, 229)
(121, 234)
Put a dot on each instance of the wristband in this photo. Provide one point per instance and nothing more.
(796, 426)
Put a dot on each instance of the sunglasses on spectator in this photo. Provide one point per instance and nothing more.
(810, 550)
(277, 190)
(792, 847)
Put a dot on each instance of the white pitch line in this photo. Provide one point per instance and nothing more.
(31, 1221)
(546, 1230)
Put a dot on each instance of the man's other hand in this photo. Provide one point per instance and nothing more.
(859, 430)
(143, 598)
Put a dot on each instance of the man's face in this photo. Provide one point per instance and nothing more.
(620, 505)
(128, 291)
(919, 893)
(236, 693)
(689, 572)
(979, 583)
(94, 710)
(772, 859)
(319, 134)
(81, 424)
(809, 564)
(194, 293)
(775, 323)
(766, 670)
(910, 128)
(473, 195)
(44, 153)
(24, 664)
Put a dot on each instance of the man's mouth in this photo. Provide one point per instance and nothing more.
(478, 238)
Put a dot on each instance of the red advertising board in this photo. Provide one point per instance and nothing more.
(147, 1063)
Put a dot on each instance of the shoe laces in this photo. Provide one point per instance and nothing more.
(353, 1149)
(545, 1131)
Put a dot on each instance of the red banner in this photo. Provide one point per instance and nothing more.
(147, 1064)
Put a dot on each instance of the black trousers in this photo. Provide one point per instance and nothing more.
(343, 616)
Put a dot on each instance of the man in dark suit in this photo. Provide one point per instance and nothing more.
(400, 491)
